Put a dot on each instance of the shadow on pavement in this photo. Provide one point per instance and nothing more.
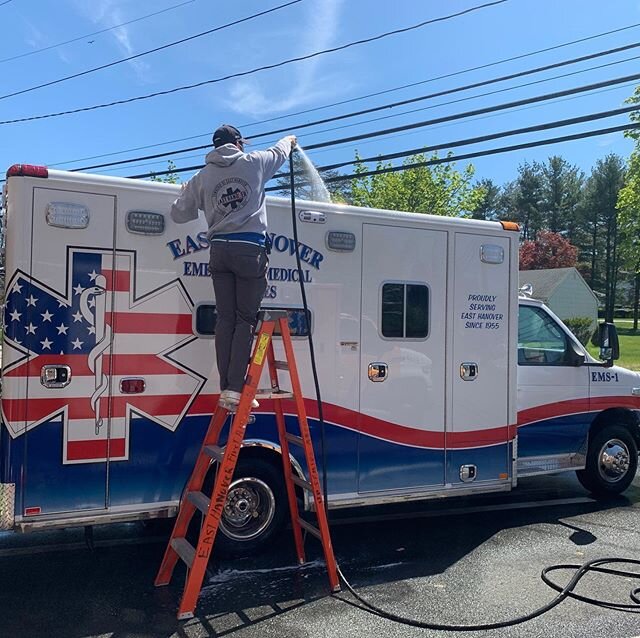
(110, 590)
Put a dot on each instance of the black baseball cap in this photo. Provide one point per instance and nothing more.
(227, 134)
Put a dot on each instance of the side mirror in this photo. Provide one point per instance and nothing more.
(608, 342)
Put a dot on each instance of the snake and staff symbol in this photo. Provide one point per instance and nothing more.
(96, 293)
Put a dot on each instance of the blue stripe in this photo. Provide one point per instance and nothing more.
(252, 238)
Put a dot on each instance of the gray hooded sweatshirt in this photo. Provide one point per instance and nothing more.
(230, 191)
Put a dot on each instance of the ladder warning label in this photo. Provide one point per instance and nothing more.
(261, 349)
(482, 312)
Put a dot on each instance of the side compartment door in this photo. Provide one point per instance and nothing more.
(402, 389)
(479, 433)
(59, 315)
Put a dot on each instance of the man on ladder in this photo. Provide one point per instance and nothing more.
(234, 202)
(230, 191)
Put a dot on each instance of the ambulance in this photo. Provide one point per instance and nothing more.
(438, 377)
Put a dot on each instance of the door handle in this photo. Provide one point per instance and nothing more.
(468, 371)
(55, 376)
(378, 371)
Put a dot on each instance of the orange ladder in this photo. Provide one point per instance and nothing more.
(196, 558)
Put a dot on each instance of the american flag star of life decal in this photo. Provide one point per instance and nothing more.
(104, 333)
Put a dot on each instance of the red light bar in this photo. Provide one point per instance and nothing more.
(27, 170)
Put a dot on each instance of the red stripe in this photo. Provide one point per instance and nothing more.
(123, 364)
(102, 449)
(137, 364)
(80, 408)
(151, 323)
(553, 410)
(117, 280)
(576, 406)
(602, 403)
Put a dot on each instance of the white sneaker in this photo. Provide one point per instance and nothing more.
(230, 399)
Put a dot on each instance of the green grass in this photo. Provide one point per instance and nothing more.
(629, 345)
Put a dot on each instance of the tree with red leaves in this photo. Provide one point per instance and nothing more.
(548, 250)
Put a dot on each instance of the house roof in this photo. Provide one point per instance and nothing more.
(545, 281)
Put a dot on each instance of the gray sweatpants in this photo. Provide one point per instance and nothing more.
(239, 273)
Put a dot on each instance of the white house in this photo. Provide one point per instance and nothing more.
(564, 290)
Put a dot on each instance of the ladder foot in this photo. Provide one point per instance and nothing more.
(161, 583)
(337, 589)
(185, 615)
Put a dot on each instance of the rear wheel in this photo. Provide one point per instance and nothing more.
(612, 461)
(255, 509)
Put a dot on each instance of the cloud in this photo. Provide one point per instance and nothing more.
(107, 13)
(303, 83)
(608, 140)
(35, 38)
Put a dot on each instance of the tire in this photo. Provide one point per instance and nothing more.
(612, 461)
(255, 510)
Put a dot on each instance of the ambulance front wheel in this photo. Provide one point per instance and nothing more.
(612, 461)
(255, 510)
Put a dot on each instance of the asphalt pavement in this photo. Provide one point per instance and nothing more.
(453, 561)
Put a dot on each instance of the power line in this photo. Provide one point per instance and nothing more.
(257, 69)
(488, 109)
(362, 97)
(487, 153)
(5, 2)
(405, 134)
(420, 124)
(445, 145)
(486, 138)
(154, 50)
(89, 35)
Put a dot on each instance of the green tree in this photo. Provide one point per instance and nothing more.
(170, 178)
(440, 189)
(561, 195)
(523, 199)
(600, 215)
(490, 202)
(629, 212)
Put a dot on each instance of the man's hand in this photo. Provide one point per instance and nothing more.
(293, 140)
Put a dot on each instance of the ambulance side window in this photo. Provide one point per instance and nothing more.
(405, 311)
(540, 340)
(205, 321)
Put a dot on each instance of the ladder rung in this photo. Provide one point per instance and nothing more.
(214, 451)
(294, 438)
(200, 500)
(314, 531)
(281, 365)
(184, 549)
(305, 485)
(267, 393)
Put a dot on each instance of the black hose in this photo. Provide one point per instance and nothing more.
(596, 565)
(565, 592)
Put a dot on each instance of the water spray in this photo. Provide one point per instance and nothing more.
(307, 314)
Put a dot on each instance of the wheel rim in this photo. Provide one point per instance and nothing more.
(614, 460)
(249, 509)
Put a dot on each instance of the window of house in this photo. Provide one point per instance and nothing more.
(405, 311)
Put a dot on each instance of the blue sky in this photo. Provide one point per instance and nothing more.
(509, 29)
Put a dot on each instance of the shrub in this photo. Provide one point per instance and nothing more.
(581, 327)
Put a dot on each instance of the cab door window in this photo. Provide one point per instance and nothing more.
(541, 341)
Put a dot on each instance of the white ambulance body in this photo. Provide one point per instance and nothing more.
(437, 379)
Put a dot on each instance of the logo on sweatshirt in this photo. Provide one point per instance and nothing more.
(231, 195)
